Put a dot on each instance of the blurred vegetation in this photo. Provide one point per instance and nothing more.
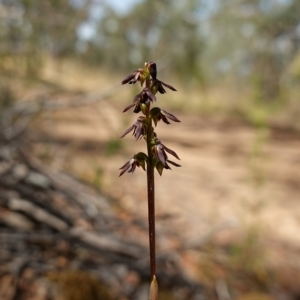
(78, 285)
(244, 53)
(254, 43)
(29, 28)
(113, 147)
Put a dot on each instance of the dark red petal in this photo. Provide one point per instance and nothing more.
(137, 108)
(168, 86)
(128, 107)
(127, 163)
(171, 152)
(167, 167)
(122, 172)
(136, 77)
(170, 116)
(127, 131)
(160, 88)
(152, 69)
(165, 120)
(133, 77)
(173, 163)
(151, 96)
(132, 169)
(125, 167)
(128, 78)
(138, 133)
(137, 97)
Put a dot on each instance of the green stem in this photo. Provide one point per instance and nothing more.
(151, 199)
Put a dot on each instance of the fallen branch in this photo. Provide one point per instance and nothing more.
(26, 111)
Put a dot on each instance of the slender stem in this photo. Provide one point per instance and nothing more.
(151, 200)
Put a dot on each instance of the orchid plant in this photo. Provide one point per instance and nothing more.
(156, 157)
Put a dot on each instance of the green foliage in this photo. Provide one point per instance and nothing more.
(113, 146)
(144, 34)
(78, 285)
(97, 182)
(7, 97)
(29, 28)
(248, 255)
(255, 40)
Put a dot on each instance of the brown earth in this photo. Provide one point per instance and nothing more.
(234, 202)
(238, 185)
(231, 172)
(233, 177)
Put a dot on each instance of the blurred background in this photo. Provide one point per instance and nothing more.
(227, 221)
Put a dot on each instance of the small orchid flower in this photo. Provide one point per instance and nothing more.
(158, 114)
(160, 150)
(138, 75)
(157, 85)
(142, 98)
(137, 160)
(139, 128)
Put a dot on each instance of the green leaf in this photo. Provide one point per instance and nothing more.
(142, 159)
(159, 167)
(155, 111)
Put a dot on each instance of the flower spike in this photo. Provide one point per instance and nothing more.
(157, 152)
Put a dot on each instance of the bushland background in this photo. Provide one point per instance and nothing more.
(236, 65)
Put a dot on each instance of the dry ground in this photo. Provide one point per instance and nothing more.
(235, 179)
(230, 172)
(232, 175)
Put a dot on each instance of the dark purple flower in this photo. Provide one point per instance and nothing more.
(138, 75)
(137, 160)
(142, 98)
(145, 93)
(164, 115)
(160, 150)
(159, 114)
(130, 166)
(157, 85)
(139, 128)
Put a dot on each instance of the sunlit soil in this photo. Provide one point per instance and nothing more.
(237, 191)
